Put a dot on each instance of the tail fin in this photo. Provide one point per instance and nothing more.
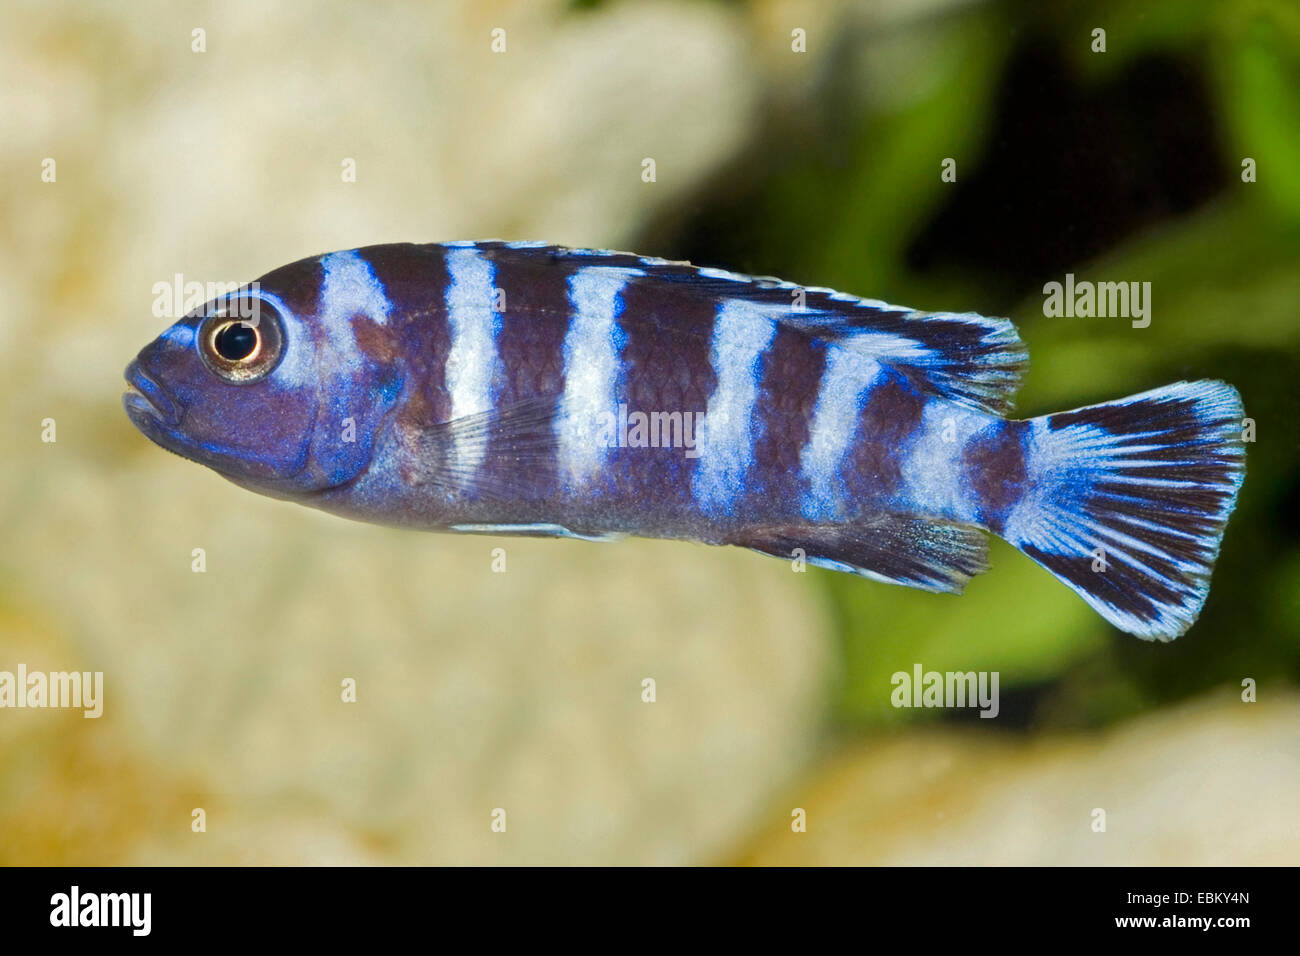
(1126, 502)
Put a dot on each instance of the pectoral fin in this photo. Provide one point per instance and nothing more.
(488, 454)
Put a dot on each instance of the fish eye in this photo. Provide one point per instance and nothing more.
(241, 341)
(236, 341)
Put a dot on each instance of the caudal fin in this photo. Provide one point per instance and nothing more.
(1126, 501)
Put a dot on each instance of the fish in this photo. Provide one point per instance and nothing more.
(525, 388)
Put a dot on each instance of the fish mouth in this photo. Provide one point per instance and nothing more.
(146, 397)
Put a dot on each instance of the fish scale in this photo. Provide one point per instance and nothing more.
(498, 387)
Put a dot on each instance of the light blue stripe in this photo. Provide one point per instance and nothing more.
(352, 288)
(742, 332)
(931, 465)
(847, 379)
(180, 334)
(349, 288)
(472, 359)
(593, 348)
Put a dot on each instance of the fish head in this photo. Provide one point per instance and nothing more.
(269, 386)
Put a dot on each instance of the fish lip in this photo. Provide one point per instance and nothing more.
(147, 396)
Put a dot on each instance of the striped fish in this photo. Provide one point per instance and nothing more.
(523, 388)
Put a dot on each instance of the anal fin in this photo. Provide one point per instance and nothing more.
(929, 554)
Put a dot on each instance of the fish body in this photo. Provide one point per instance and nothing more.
(524, 388)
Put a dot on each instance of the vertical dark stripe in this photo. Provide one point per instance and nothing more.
(534, 288)
(791, 378)
(415, 279)
(298, 285)
(666, 369)
(536, 317)
(890, 418)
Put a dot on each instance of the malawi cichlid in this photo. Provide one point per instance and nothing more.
(524, 388)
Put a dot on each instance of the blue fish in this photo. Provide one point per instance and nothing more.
(524, 388)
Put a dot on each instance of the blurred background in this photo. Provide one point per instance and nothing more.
(523, 690)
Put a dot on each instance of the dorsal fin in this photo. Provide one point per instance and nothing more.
(970, 359)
